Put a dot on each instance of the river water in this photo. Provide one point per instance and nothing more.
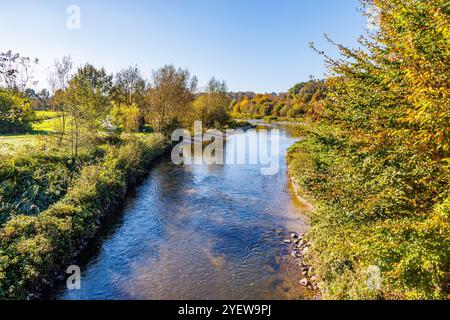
(199, 232)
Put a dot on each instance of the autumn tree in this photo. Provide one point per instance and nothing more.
(15, 112)
(16, 75)
(127, 117)
(377, 163)
(169, 98)
(128, 92)
(212, 107)
(129, 87)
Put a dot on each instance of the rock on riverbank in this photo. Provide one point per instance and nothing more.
(299, 248)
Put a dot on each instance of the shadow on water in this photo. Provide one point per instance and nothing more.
(198, 232)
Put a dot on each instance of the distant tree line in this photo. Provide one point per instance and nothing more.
(304, 98)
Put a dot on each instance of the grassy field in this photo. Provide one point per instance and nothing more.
(10, 143)
(46, 122)
(45, 115)
(49, 125)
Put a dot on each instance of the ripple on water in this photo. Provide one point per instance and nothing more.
(200, 232)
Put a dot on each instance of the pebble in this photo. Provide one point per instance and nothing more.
(300, 247)
(304, 282)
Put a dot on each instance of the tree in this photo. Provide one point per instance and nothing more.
(212, 107)
(39, 100)
(169, 98)
(16, 71)
(129, 91)
(129, 87)
(87, 101)
(59, 76)
(59, 79)
(382, 154)
(295, 90)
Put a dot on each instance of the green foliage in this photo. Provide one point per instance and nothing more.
(126, 116)
(375, 165)
(86, 100)
(15, 113)
(129, 88)
(32, 247)
(374, 210)
(32, 178)
(87, 96)
(212, 107)
(295, 90)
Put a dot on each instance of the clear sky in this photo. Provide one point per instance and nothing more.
(257, 45)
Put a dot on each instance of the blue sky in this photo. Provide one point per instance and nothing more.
(257, 45)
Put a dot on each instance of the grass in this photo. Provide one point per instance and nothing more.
(46, 122)
(8, 144)
(52, 125)
(44, 115)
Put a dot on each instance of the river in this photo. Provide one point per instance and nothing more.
(199, 232)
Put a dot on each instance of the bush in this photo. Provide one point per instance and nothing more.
(378, 172)
(127, 117)
(15, 113)
(296, 112)
(388, 210)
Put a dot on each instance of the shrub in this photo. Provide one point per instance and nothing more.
(127, 117)
(376, 166)
(15, 113)
(388, 210)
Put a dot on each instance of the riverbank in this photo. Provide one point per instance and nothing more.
(34, 250)
(361, 246)
(300, 244)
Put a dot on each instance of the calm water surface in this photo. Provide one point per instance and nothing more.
(199, 232)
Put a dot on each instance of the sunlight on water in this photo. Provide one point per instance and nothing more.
(199, 232)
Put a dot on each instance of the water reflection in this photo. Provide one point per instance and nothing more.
(200, 232)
